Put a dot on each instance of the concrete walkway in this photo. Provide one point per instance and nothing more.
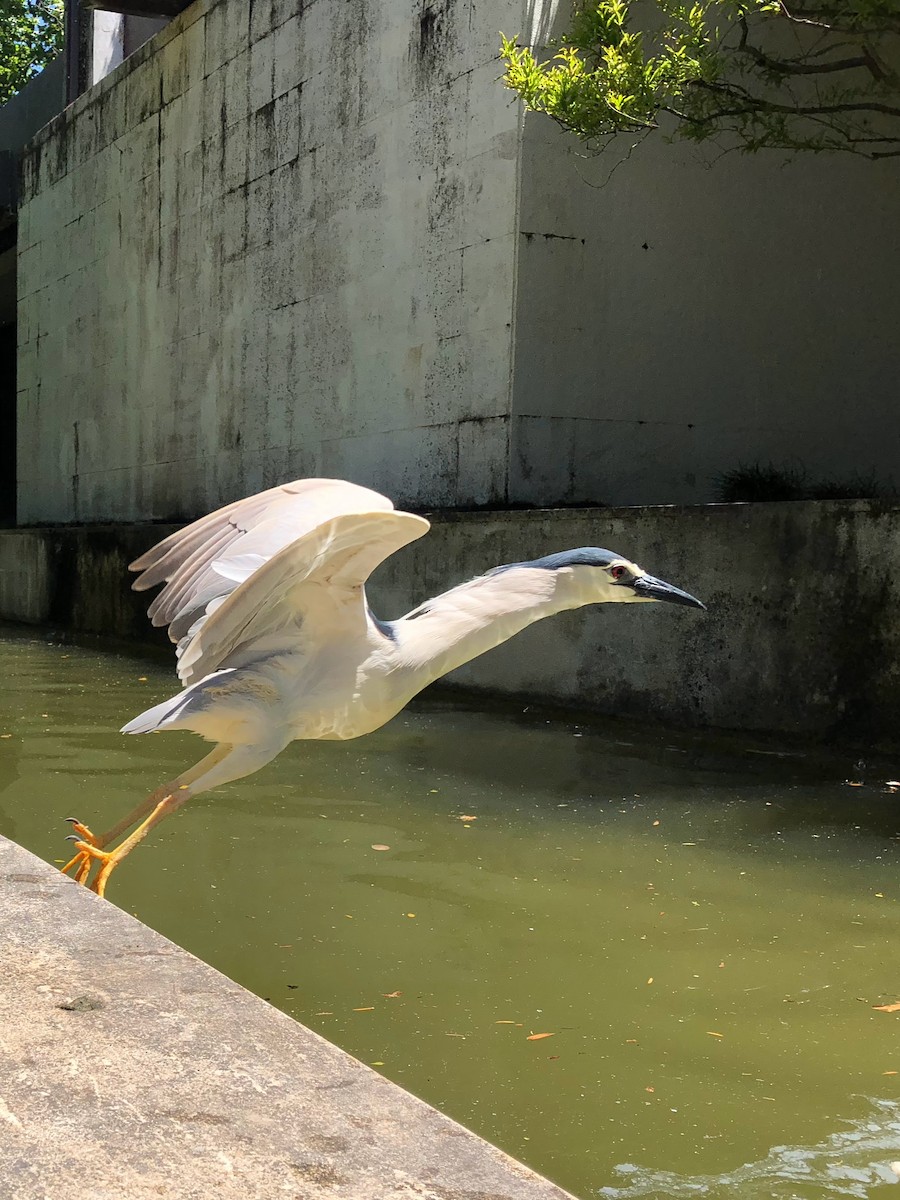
(130, 1070)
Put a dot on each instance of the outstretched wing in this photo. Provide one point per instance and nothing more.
(310, 593)
(204, 563)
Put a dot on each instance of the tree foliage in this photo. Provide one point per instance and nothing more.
(820, 76)
(31, 34)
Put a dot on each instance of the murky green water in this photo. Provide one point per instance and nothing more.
(703, 929)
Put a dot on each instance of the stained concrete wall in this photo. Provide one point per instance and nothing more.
(287, 240)
(801, 636)
(277, 241)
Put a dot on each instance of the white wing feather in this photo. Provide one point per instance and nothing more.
(208, 559)
(314, 583)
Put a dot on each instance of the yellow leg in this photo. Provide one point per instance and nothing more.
(109, 860)
(90, 846)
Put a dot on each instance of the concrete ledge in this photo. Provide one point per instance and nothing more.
(801, 637)
(131, 1069)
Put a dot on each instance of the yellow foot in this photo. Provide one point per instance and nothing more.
(89, 847)
(81, 863)
(88, 854)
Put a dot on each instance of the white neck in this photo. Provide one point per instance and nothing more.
(468, 620)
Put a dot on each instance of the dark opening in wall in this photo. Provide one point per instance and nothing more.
(8, 424)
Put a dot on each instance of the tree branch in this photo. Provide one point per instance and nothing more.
(754, 104)
(823, 19)
(796, 67)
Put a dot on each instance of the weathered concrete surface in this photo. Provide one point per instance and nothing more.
(132, 1070)
(801, 637)
(276, 241)
(290, 239)
(676, 320)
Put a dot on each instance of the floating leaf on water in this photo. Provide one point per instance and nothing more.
(410, 914)
(368, 1008)
(467, 817)
(391, 995)
(887, 1007)
(376, 1064)
(380, 846)
(649, 1089)
(536, 1037)
(889, 1072)
(650, 980)
(709, 1033)
(496, 1022)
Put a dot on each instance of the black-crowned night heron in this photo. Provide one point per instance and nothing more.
(265, 600)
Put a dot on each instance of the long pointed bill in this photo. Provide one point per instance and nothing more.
(648, 588)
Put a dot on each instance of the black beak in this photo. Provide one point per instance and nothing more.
(648, 588)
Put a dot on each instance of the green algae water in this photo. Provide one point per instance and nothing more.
(699, 929)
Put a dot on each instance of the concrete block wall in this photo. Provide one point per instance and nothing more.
(277, 241)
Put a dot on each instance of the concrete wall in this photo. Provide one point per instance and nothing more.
(801, 636)
(269, 245)
(286, 240)
(681, 313)
(36, 104)
(114, 37)
(21, 117)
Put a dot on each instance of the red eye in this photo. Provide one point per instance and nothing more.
(618, 572)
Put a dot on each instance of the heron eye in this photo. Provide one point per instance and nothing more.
(618, 572)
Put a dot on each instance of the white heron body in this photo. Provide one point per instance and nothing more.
(276, 642)
(346, 673)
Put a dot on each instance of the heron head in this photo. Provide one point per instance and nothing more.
(606, 577)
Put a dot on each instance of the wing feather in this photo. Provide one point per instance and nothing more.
(314, 583)
(261, 524)
(257, 552)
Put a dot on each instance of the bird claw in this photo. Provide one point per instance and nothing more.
(82, 832)
(87, 845)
